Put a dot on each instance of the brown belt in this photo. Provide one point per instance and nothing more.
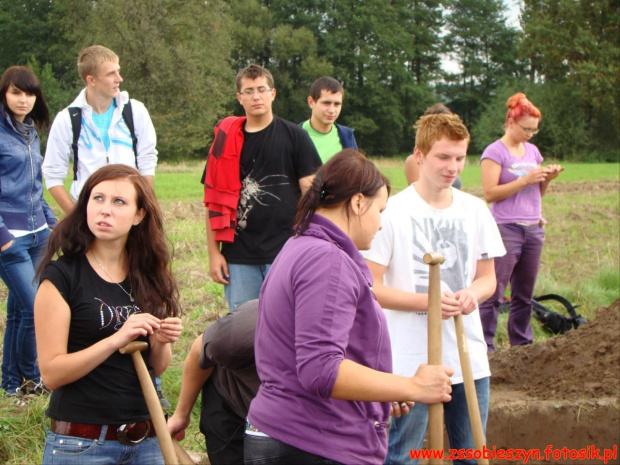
(131, 433)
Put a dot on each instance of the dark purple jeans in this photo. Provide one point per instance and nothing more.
(519, 267)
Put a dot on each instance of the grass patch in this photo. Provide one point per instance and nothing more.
(22, 432)
(580, 261)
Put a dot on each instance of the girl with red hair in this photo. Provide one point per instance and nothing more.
(514, 181)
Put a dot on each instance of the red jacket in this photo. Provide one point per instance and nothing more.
(221, 179)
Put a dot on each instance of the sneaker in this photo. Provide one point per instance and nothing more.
(11, 393)
(165, 404)
(16, 396)
(33, 388)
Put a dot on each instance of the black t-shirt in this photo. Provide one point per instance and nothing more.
(273, 161)
(228, 345)
(111, 393)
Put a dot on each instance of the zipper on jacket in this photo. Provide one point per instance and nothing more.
(31, 182)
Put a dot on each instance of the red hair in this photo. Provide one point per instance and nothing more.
(519, 107)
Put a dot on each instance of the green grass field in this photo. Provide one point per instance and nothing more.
(393, 168)
(580, 261)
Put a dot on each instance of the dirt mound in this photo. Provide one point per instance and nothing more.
(581, 364)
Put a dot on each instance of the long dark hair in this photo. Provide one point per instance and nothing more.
(24, 79)
(346, 174)
(148, 256)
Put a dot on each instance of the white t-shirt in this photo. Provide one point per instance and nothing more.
(464, 233)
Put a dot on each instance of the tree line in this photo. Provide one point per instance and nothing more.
(180, 58)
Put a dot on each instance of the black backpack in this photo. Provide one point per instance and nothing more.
(76, 125)
(554, 322)
(551, 321)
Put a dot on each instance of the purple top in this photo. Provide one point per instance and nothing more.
(316, 309)
(525, 205)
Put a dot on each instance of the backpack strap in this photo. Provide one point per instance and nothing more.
(570, 308)
(128, 117)
(75, 113)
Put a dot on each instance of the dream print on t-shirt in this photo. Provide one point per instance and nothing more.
(257, 191)
(448, 237)
(520, 168)
(113, 316)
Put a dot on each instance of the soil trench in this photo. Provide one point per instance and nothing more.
(563, 393)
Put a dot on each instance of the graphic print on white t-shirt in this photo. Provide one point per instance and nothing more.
(448, 237)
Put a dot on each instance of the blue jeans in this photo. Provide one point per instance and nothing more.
(245, 283)
(407, 432)
(260, 450)
(70, 450)
(519, 266)
(18, 265)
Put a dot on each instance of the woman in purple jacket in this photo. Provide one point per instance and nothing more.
(322, 346)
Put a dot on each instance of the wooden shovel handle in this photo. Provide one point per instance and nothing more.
(435, 411)
(152, 401)
(470, 388)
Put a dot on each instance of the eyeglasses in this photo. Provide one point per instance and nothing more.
(260, 91)
(528, 130)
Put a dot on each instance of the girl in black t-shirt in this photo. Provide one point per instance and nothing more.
(110, 285)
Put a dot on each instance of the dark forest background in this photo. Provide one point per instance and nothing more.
(180, 58)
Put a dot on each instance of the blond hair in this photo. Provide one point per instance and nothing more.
(431, 128)
(92, 57)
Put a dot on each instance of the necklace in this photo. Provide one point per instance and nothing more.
(106, 273)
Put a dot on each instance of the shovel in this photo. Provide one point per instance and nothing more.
(171, 450)
(435, 411)
(470, 388)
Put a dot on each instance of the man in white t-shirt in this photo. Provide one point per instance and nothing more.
(427, 216)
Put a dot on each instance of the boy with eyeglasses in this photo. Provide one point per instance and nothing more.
(258, 167)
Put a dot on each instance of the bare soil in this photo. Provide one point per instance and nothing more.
(563, 392)
(559, 188)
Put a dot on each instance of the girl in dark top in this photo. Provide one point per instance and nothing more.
(25, 222)
(110, 285)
